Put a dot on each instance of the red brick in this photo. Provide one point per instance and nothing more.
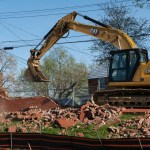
(65, 123)
(79, 134)
(12, 129)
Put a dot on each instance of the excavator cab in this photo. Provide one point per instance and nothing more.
(124, 64)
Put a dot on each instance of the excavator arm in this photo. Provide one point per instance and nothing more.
(101, 31)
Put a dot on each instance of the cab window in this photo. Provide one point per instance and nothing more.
(144, 58)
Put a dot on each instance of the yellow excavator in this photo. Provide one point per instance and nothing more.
(129, 69)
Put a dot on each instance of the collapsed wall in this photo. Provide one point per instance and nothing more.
(18, 104)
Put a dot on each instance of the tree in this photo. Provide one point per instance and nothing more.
(7, 70)
(141, 3)
(119, 17)
(63, 72)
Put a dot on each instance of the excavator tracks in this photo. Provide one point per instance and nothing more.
(123, 97)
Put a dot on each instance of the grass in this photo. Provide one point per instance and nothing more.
(128, 116)
(51, 130)
(87, 130)
(102, 132)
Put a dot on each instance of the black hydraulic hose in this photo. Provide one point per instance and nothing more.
(45, 37)
(94, 21)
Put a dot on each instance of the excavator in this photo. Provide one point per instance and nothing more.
(129, 69)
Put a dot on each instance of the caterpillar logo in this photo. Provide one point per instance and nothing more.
(93, 31)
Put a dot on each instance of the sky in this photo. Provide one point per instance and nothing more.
(23, 23)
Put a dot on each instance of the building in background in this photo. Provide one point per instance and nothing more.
(98, 79)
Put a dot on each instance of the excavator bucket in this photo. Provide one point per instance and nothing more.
(33, 73)
(27, 75)
(38, 78)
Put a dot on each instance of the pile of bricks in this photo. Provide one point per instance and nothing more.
(34, 114)
(34, 119)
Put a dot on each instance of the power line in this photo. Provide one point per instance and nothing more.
(42, 15)
(39, 39)
(53, 9)
(61, 8)
(18, 41)
(22, 60)
(19, 28)
(31, 40)
(13, 33)
(79, 51)
(81, 41)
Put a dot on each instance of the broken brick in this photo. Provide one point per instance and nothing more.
(12, 129)
(65, 123)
